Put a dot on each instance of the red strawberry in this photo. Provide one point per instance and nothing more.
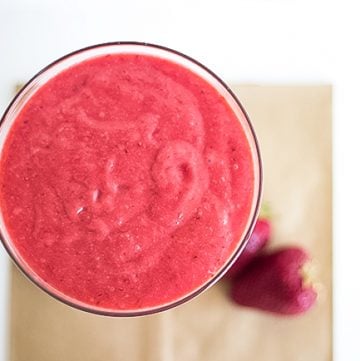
(257, 241)
(275, 283)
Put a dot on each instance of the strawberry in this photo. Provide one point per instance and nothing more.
(276, 283)
(257, 241)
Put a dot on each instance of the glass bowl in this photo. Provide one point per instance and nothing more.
(63, 63)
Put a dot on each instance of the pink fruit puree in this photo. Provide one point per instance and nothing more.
(126, 182)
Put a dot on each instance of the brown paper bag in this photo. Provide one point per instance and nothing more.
(293, 124)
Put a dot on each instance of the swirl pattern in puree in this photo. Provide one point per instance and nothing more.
(126, 181)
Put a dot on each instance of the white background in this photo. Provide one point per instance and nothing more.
(268, 41)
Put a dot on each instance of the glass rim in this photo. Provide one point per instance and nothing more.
(80, 305)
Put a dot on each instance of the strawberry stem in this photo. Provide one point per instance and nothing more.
(265, 211)
(308, 272)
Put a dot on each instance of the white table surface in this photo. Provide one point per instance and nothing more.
(261, 41)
